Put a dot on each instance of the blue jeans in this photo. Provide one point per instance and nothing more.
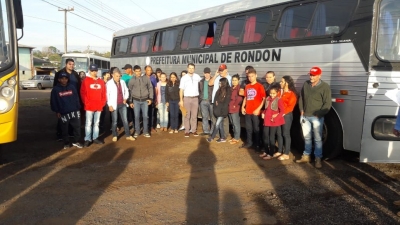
(121, 109)
(235, 121)
(92, 125)
(162, 111)
(219, 126)
(312, 126)
(174, 114)
(144, 107)
(206, 113)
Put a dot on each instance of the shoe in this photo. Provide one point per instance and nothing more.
(158, 126)
(396, 203)
(267, 157)
(195, 134)
(283, 157)
(233, 141)
(66, 146)
(97, 141)
(136, 135)
(304, 159)
(77, 144)
(182, 128)
(171, 131)
(114, 139)
(318, 164)
(86, 144)
(186, 134)
(147, 135)
(221, 140)
(153, 130)
(209, 140)
(176, 131)
(130, 138)
(245, 145)
(204, 134)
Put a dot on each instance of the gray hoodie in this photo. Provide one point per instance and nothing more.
(140, 88)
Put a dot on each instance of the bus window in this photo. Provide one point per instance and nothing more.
(295, 20)
(198, 36)
(165, 40)
(97, 62)
(232, 31)
(104, 64)
(388, 43)
(121, 45)
(140, 43)
(5, 54)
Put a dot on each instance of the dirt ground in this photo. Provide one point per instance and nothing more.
(169, 179)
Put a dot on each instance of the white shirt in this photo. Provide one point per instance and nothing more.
(216, 84)
(190, 85)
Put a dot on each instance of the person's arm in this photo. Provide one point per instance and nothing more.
(242, 87)
(53, 101)
(181, 97)
(258, 109)
(327, 102)
(212, 80)
(104, 94)
(292, 102)
(301, 106)
(126, 92)
(151, 91)
(157, 90)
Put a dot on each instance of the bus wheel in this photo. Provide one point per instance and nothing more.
(332, 136)
(39, 87)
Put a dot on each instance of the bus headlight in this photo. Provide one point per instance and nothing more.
(3, 105)
(12, 82)
(7, 92)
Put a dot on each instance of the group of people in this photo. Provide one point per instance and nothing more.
(155, 98)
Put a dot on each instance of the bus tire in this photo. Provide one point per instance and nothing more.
(332, 136)
(39, 87)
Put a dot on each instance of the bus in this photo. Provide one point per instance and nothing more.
(83, 60)
(11, 20)
(356, 43)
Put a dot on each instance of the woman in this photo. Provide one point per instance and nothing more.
(221, 109)
(161, 103)
(234, 109)
(82, 75)
(270, 81)
(172, 103)
(289, 99)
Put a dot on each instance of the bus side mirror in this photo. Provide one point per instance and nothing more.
(19, 18)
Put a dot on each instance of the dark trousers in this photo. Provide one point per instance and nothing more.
(174, 114)
(59, 129)
(286, 132)
(252, 128)
(102, 117)
(269, 139)
(74, 123)
(152, 115)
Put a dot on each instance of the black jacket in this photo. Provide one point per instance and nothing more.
(221, 107)
(172, 93)
(74, 78)
(201, 90)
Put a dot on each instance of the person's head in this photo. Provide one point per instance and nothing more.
(173, 77)
(93, 70)
(223, 87)
(112, 70)
(235, 80)
(273, 91)
(252, 75)
(183, 73)
(82, 75)
(223, 82)
(106, 76)
(270, 77)
(148, 70)
(158, 72)
(69, 64)
(128, 69)
(223, 70)
(287, 83)
(246, 70)
(207, 73)
(137, 70)
(163, 77)
(315, 75)
(190, 68)
(116, 75)
(63, 79)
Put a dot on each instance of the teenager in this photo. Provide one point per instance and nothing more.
(172, 101)
(234, 109)
(161, 103)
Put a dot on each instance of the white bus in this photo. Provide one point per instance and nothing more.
(83, 60)
(355, 42)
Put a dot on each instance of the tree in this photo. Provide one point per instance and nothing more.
(37, 54)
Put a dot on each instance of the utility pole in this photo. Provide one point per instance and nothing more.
(65, 26)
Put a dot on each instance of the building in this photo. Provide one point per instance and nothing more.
(26, 69)
(44, 67)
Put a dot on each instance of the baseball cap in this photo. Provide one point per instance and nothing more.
(315, 71)
(64, 75)
(127, 66)
(207, 70)
(158, 70)
(93, 67)
(222, 67)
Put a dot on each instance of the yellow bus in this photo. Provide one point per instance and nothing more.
(11, 19)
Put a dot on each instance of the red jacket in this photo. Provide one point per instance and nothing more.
(235, 101)
(93, 94)
(289, 100)
(272, 107)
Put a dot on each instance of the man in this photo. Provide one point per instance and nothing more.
(117, 96)
(254, 96)
(182, 109)
(189, 87)
(126, 77)
(222, 72)
(93, 94)
(246, 81)
(106, 77)
(152, 109)
(142, 94)
(205, 98)
(315, 102)
(64, 102)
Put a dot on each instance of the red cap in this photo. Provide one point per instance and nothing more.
(222, 67)
(315, 71)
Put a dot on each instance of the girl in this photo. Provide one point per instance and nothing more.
(289, 99)
(161, 90)
(172, 101)
(273, 120)
(234, 109)
(221, 109)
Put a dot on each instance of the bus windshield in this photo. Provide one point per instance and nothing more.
(5, 53)
(388, 44)
(81, 63)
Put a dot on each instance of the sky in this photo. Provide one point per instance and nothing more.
(44, 24)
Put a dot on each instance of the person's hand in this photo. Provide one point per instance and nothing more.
(124, 101)
(110, 108)
(243, 111)
(148, 102)
(167, 104)
(275, 115)
(181, 103)
(256, 112)
(58, 115)
(131, 105)
(262, 115)
(216, 73)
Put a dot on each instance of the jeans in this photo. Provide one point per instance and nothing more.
(312, 126)
(92, 125)
(235, 121)
(252, 127)
(102, 117)
(144, 107)
(163, 112)
(174, 114)
(207, 113)
(151, 112)
(269, 139)
(192, 106)
(121, 109)
(286, 132)
(219, 126)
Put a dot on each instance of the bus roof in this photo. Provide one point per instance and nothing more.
(229, 8)
(86, 55)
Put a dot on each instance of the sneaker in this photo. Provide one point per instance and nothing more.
(136, 135)
(318, 164)
(158, 126)
(114, 139)
(97, 141)
(86, 144)
(130, 138)
(77, 144)
(147, 135)
(304, 159)
(182, 128)
(221, 140)
(195, 134)
(66, 146)
(209, 140)
(186, 134)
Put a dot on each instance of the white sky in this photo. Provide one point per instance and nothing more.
(44, 24)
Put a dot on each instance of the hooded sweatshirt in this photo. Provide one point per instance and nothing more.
(64, 99)
(93, 94)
